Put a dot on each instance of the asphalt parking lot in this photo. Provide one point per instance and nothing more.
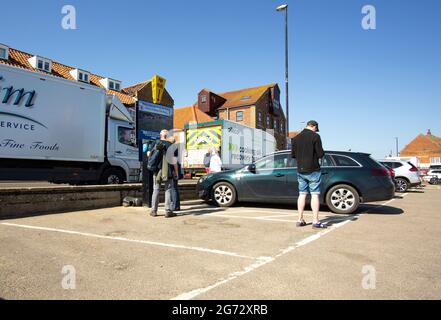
(244, 252)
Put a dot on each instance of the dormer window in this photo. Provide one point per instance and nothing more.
(41, 63)
(4, 52)
(80, 75)
(111, 84)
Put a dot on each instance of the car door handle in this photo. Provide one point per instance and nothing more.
(279, 175)
(325, 172)
(119, 152)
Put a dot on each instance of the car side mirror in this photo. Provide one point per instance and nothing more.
(252, 168)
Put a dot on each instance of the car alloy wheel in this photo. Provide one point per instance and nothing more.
(224, 194)
(401, 185)
(343, 199)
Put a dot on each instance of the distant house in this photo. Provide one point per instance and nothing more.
(257, 107)
(427, 148)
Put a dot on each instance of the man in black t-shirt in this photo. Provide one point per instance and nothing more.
(307, 150)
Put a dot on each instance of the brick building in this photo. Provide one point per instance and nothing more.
(427, 148)
(257, 107)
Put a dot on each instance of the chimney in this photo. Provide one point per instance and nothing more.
(429, 133)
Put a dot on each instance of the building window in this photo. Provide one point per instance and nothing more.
(111, 84)
(435, 160)
(281, 126)
(41, 63)
(86, 77)
(80, 76)
(267, 121)
(204, 98)
(259, 117)
(4, 52)
(239, 116)
(275, 125)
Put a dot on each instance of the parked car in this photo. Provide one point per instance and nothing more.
(432, 174)
(406, 174)
(348, 179)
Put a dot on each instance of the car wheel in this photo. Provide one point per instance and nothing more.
(223, 194)
(401, 184)
(112, 176)
(343, 199)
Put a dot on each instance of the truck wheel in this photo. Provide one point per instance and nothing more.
(112, 176)
(223, 194)
(342, 199)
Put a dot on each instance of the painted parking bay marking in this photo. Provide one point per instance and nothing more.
(176, 246)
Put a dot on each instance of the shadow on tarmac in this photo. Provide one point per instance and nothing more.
(376, 209)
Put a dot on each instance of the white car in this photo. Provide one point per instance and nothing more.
(406, 174)
(433, 174)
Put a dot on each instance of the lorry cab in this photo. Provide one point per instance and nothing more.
(122, 150)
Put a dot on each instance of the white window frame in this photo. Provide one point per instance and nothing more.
(6, 48)
(435, 160)
(35, 61)
(106, 82)
(237, 118)
(80, 75)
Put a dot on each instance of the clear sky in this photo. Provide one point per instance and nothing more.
(364, 87)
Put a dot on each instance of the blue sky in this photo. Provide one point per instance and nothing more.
(364, 87)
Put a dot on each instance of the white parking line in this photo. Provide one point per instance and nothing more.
(176, 246)
(265, 260)
(249, 218)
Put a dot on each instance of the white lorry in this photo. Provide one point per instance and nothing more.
(63, 131)
(237, 144)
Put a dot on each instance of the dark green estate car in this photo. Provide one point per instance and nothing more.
(348, 179)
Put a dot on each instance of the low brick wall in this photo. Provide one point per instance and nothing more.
(22, 202)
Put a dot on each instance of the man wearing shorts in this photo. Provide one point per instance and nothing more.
(307, 150)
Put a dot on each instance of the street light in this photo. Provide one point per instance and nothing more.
(396, 144)
(284, 7)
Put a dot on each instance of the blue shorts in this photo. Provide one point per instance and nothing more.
(309, 182)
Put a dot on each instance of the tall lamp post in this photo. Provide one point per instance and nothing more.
(284, 7)
(396, 144)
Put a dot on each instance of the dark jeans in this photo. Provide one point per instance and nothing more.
(176, 201)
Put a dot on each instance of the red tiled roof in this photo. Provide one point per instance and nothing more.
(184, 115)
(19, 59)
(135, 88)
(423, 145)
(244, 97)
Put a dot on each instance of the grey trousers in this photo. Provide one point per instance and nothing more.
(168, 186)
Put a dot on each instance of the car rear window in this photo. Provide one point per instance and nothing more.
(396, 165)
(343, 161)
